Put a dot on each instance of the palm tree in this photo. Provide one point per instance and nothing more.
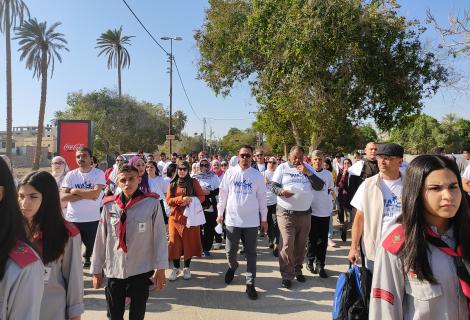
(112, 44)
(40, 46)
(11, 13)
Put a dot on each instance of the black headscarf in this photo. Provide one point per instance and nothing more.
(186, 182)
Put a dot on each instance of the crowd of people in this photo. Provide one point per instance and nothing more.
(142, 216)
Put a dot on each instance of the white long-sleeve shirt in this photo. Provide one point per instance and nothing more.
(242, 193)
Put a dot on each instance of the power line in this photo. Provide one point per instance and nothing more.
(143, 26)
(230, 119)
(184, 90)
(161, 47)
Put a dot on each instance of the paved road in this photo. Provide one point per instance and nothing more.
(206, 296)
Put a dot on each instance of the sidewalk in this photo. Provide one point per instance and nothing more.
(206, 296)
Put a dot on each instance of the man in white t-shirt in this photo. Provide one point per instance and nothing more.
(162, 163)
(242, 195)
(378, 203)
(82, 188)
(322, 207)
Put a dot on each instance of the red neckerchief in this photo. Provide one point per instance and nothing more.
(121, 202)
(462, 272)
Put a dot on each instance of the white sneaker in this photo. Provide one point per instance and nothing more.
(186, 274)
(331, 243)
(174, 274)
(217, 246)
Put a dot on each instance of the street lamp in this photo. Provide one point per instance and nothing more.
(170, 55)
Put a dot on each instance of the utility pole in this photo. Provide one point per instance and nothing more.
(170, 137)
(204, 121)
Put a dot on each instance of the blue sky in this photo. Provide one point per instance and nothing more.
(147, 79)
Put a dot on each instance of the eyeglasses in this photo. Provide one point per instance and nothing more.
(259, 155)
(203, 165)
(183, 169)
(245, 155)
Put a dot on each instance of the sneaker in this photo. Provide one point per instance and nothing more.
(217, 246)
(286, 283)
(86, 263)
(322, 273)
(229, 275)
(331, 243)
(310, 267)
(300, 278)
(186, 274)
(251, 291)
(206, 254)
(174, 274)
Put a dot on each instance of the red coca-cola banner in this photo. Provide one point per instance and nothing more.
(71, 135)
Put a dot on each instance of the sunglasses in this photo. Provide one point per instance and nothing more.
(245, 155)
(273, 162)
(224, 165)
(203, 165)
(183, 169)
(259, 155)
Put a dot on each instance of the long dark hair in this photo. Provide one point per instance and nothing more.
(157, 172)
(11, 228)
(186, 182)
(48, 219)
(415, 250)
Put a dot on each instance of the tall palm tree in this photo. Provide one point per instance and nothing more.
(12, 13)
(40, 46)
(112, 44)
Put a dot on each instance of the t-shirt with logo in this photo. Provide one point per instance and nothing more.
(84, 210)
(242, 193)
(292, 180)
(208, 181)
(391, 191)
(271, 197)
(322, 203)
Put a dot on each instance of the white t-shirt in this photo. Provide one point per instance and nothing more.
(242, 194)
(466, 174)
(391, 190)
(322, 203)
(158, 185)
(271, 197)
(162, 165)
(298, 183)
(261, 167)
(84, 210)
(208, 182)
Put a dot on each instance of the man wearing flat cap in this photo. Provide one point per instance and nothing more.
(378, 203)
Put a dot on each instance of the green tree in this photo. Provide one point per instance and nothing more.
(234, 138)
(456, 133)
(112, 43)
(120, 124)
(420, 135)
(40, 46)
(314, 65)
(12, 14)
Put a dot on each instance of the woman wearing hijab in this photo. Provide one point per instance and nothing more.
(59, 169)
(183, 241)
(210, 185)
(139, 163)
(215, 167)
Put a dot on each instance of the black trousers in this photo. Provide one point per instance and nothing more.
(88, 234)
(318, 240)
(136, 288)
(273, 228)
(208, 230)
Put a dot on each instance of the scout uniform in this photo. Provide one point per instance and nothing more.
(130, 244)
(396, 295)
(63, 280)
(22, 285)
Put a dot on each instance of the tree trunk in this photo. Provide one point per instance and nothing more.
(295, 132)
(9, 142)
(42, 110)
(315, 140)
(119, 73)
